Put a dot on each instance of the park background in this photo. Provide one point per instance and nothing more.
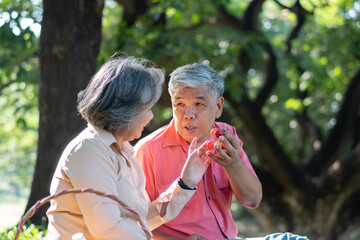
(292, 76)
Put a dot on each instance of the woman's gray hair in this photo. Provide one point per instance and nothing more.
(121, 89)
(196, 75)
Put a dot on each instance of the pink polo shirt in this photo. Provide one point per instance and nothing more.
(162, 155)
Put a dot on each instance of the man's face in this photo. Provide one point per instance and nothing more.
(194, 112)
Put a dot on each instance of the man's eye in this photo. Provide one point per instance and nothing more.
(179, 104)
(199, 104)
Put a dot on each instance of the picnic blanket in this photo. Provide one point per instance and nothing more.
(275, 236)
(284, 236)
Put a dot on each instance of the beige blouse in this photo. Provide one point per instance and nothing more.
(95, 160)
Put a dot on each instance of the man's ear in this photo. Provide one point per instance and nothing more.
(219, 106)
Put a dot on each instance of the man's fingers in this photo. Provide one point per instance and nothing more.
(231, 139)
(202, 148)
(193, 145)
(213, 156)
(207, 162)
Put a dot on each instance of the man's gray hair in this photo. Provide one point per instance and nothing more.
(196, 75)
(121, 89)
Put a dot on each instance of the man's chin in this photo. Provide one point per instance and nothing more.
(189, 139)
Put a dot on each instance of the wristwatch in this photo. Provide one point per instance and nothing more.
(183, 185)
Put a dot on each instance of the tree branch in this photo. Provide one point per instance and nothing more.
(281, 167)
(357, 131)
(338, 184)
(274, 205)
(5, 85)
(301, 14)
(309, 127)
(281, 5)
(342, 177)
(343, 131)
(228, 17)
(249, 24)
(272, 76)
(252, 14)
(133, 9)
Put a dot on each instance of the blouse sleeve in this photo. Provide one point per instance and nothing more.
(168, 205)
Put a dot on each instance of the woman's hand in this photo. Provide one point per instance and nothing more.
(195, 165)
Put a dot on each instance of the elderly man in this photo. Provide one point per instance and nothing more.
(197, 100)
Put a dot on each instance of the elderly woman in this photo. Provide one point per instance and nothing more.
(117, 105)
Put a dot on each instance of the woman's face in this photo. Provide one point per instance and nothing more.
(136, 127)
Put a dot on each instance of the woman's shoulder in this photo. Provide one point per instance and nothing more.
(86, 142)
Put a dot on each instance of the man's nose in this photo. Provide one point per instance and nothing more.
(190, 113)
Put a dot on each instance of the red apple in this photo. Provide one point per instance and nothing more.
(216, 132)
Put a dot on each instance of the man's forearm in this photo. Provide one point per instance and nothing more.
(245, 186)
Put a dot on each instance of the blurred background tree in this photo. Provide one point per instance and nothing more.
(292, 78)
(19, 64)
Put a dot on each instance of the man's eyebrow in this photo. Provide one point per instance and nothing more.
(198, 97)
(201, 98)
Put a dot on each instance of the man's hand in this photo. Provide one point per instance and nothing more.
(229, 154)
(245, 186)
(195, 165)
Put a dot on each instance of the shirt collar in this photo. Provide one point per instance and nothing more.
(104, 135)
(173, 138)
(108, 139)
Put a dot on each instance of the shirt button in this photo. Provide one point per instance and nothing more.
(209, 198)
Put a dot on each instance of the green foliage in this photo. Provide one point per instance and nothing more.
(29, 232)
(325, 49)
(323, 58)
(19, 23)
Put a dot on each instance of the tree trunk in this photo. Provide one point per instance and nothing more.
(69, 46)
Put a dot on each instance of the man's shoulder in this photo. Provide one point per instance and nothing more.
(222, 125)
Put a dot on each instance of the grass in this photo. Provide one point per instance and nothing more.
(29, 231)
